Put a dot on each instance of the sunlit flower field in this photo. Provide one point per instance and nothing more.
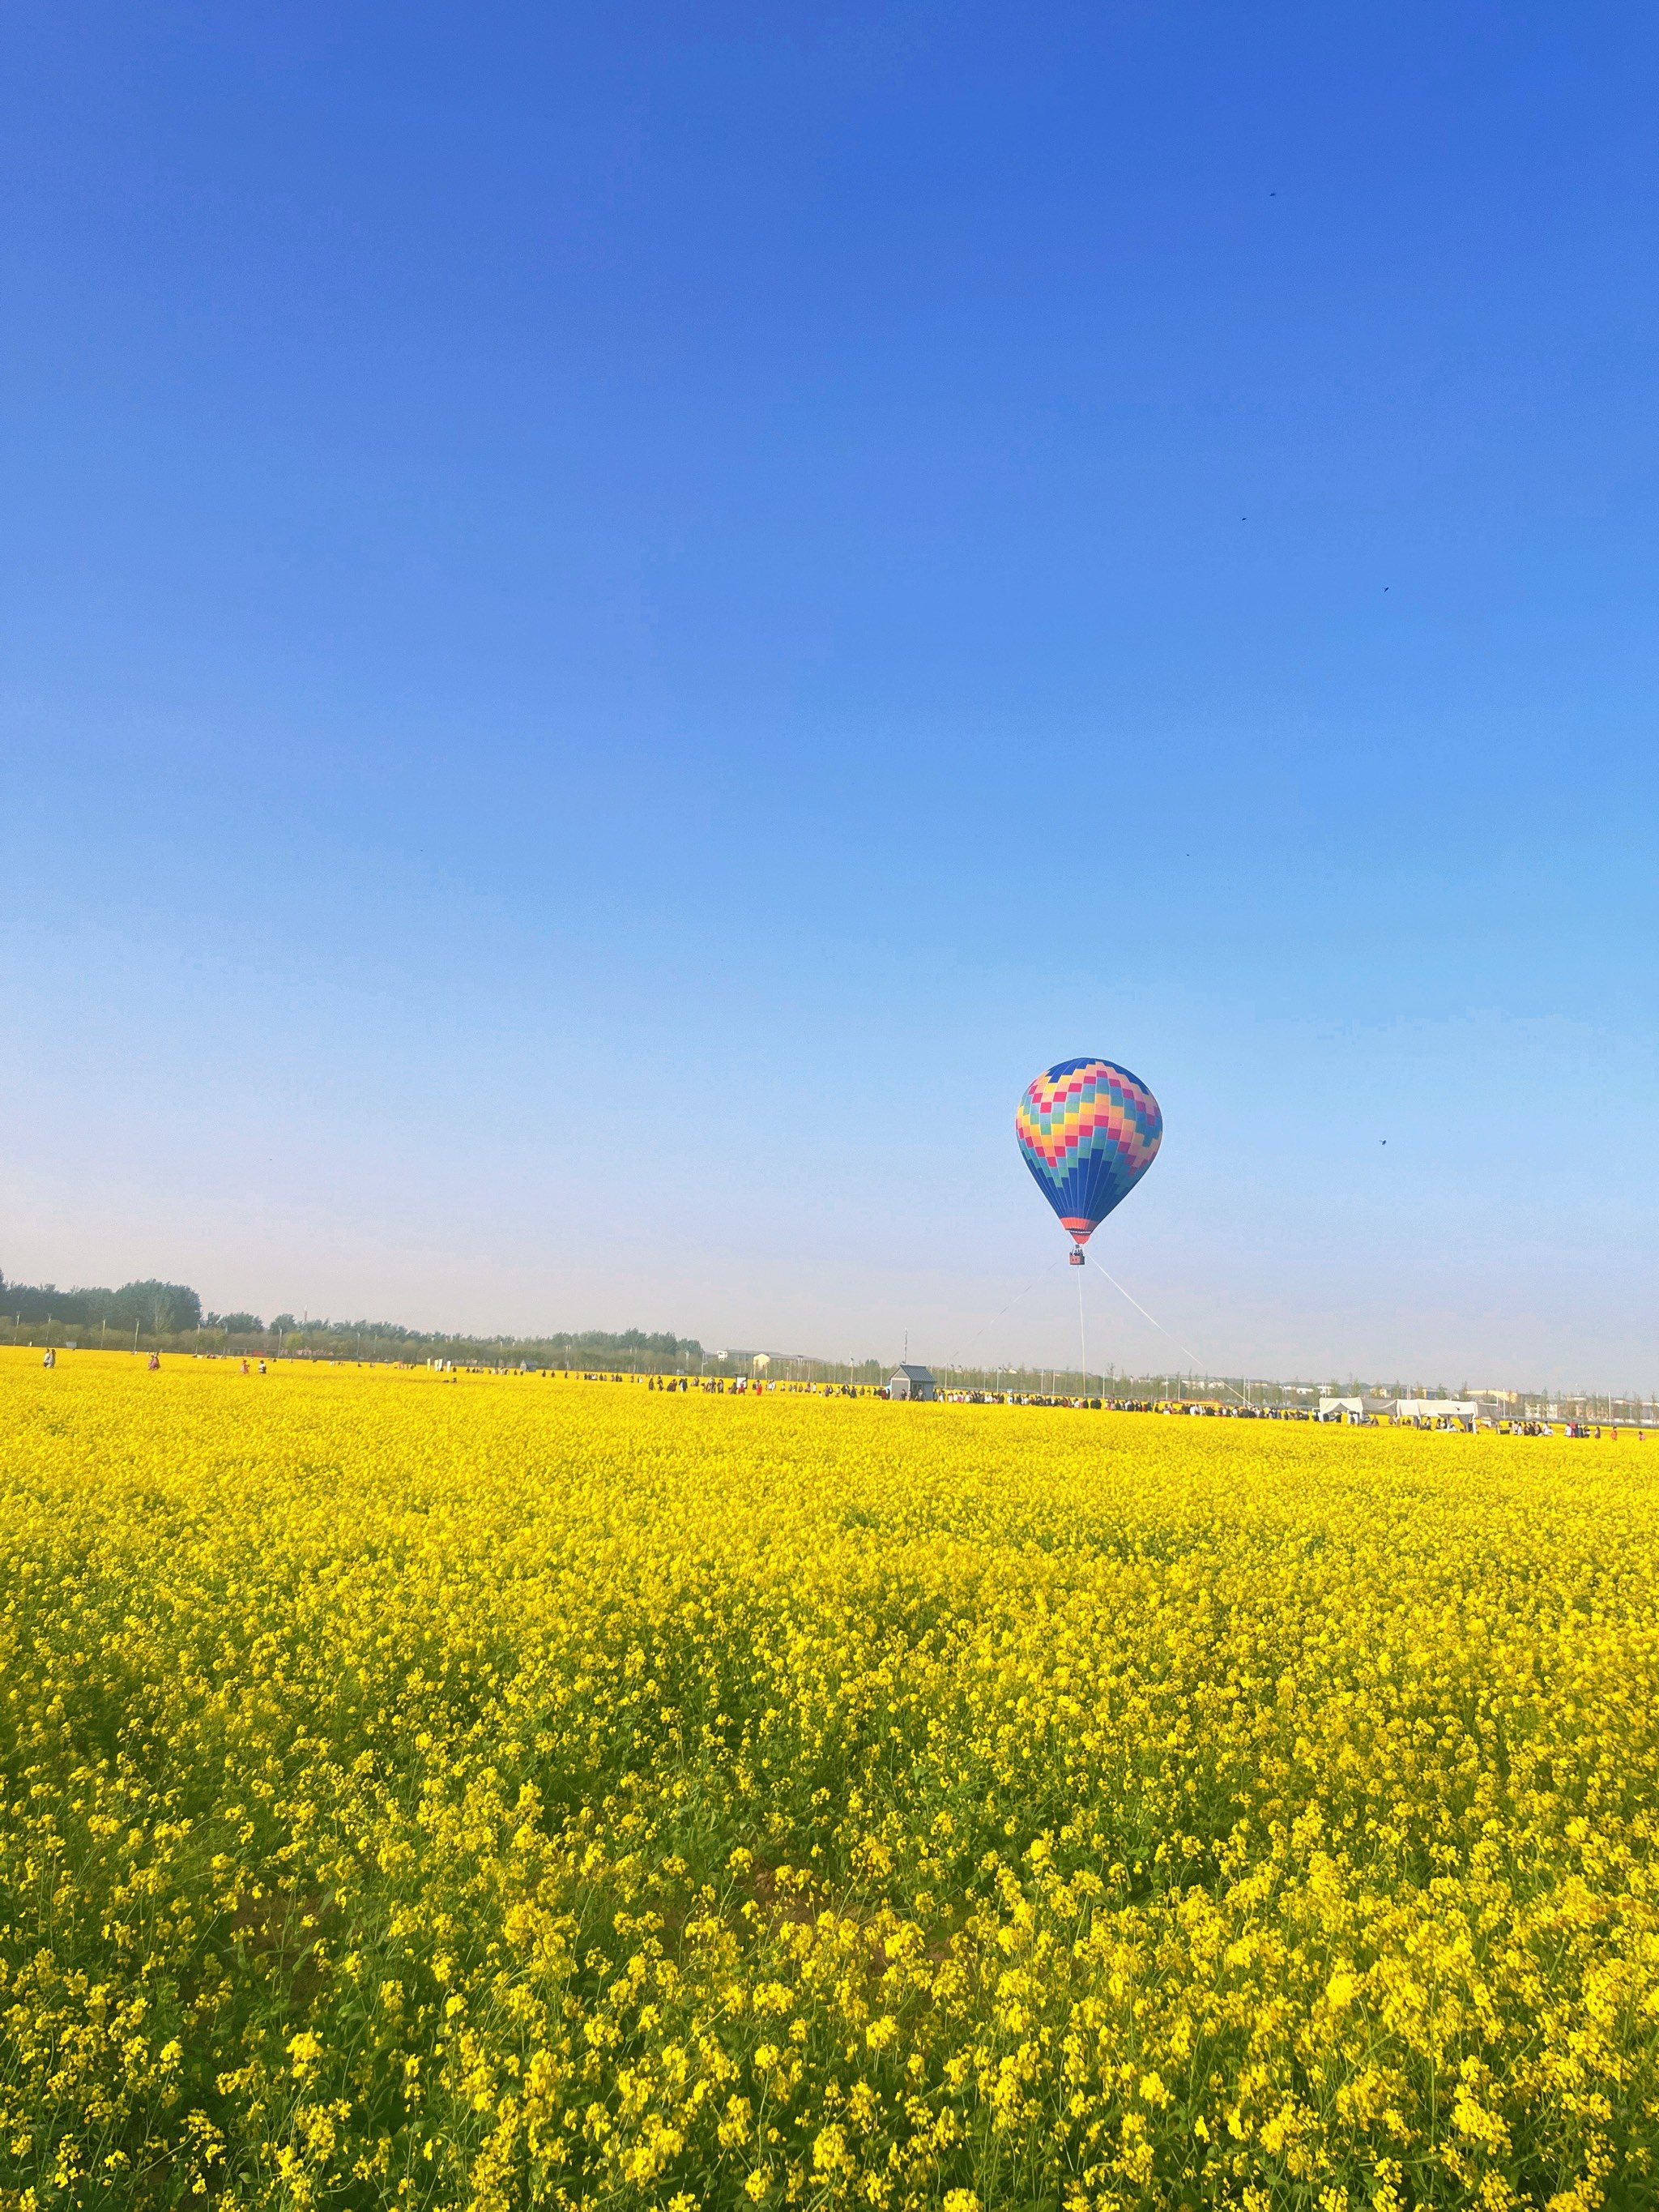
(504, 1792)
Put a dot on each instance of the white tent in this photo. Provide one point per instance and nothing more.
(1364, 1408)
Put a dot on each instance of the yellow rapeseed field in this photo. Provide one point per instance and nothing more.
(507, 1793)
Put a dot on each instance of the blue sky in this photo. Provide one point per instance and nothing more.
(617, 623)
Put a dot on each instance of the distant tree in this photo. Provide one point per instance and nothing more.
(159, 1308)
(242, 1324)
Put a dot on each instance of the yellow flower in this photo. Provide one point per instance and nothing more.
(525, 1789)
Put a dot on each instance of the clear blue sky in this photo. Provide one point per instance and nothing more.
(617, 621)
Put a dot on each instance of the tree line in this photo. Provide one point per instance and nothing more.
(172, 1313)
(155, 1309)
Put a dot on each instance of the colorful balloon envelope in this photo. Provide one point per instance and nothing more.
(1089, 1130)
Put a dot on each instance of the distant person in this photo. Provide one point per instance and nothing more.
(51, 1359)
(155, 1361)
(262, 1367)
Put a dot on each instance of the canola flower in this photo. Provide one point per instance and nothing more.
(526, 1793)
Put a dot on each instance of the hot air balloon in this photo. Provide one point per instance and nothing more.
(1089, 1130)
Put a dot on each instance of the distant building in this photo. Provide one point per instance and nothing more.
(911, 1383)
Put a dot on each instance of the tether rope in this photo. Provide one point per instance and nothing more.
(1170, 1333)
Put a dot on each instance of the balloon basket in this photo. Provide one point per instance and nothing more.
(1077, 1259)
